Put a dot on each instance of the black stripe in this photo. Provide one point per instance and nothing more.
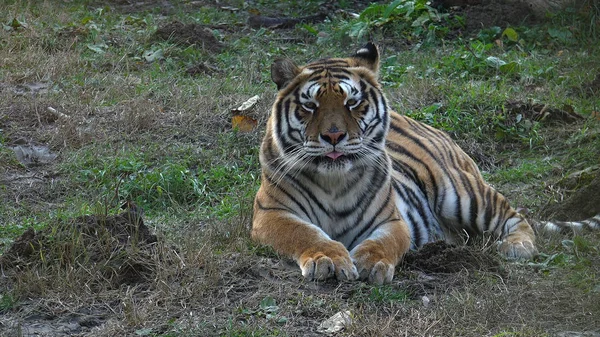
(442, 167)
(377, 181)
(370, 223)
(416, 229)
(489, 204)
(263, 208)
(403, 151)
(294, 200)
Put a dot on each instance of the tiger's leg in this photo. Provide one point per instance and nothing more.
(318, 256)
(376, 257)
(518, 241)
(476, 207)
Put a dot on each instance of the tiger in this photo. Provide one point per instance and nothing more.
(349, 186)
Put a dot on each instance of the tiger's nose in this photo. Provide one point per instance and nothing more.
(333, 137)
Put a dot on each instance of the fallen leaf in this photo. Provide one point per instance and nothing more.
(511, 34)
(98, 48)
(247, 105)
(16, 24)
(243, 123)
(153, 55)
(254, 11)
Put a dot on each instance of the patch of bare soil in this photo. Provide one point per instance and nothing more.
(118, 241)
(164, 7)
(589, 89)
(190, 34)
(439, 267)
(516, 111)
(257, 21)
(107, 252)
(484, 14)
(441, 257)
(583, 204)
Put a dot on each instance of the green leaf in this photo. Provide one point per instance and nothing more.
(16, 24)
(86, 20)
(310, 29)
(371, 12)
(494, 62)
(561, 34)
(511, 34)
(98, 48)
(268, 305)
(509, 68)
(153, 55)
(421, 20)
(143, 332)
(390, 8)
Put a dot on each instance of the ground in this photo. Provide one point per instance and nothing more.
(126, 195)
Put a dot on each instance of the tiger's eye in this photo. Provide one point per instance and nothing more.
(311, 106)
(351, 102)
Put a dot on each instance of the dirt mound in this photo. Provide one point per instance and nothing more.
(479, 14)
(441, 257)
(589, 89)
(190, 34)
(499, 13)
(120, 244)
(583, 204)
(515, 111)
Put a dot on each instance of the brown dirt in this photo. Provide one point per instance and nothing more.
(164, 7)
(441, 257)
(515, 111)
(486, 14)
(589, 89)
(583, 204)
(190, 34)
(121, 242)
(257, 21)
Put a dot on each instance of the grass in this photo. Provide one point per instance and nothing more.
(134, 124)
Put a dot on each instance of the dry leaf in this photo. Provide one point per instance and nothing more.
(243, 123)
(249, 104)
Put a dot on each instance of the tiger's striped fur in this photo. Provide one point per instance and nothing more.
(348, 186)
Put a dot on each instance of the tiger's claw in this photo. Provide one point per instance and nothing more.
(326, 263)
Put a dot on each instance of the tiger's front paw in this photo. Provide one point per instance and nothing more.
(517, 246)
(373, 266)
(326, 261)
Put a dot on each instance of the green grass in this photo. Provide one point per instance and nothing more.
(182, 179)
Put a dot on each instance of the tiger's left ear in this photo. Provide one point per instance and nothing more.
(368, 57)
(283, 71)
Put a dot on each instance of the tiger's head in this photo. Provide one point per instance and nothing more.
(329, 116)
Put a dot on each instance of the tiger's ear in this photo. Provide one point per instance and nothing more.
(368, 57)
(283, 71)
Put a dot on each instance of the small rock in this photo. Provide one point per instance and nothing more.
(425, 301)
(335, 323)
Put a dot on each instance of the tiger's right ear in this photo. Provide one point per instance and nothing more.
(283, 71)
(368, 56)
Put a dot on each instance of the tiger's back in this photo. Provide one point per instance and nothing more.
(440, 191)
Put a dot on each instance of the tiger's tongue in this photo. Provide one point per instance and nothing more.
(334, 155)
